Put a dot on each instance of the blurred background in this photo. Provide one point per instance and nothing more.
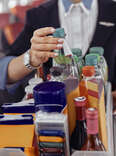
(12, 20)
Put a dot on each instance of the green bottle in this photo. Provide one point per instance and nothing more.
(61, 59)
(102, 61)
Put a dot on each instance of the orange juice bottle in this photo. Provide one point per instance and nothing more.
(87, 73)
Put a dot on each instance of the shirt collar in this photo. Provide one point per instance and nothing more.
(68, 3)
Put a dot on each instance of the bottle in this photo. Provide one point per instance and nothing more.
(65, 54)
(66, 60)
(77, 54)
(64, 57)
(93, 142)
(102, 61)
(79, 135)
(92, 60)
(70, 75)
(88, 73)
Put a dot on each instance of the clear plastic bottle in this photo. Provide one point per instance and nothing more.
(62, 58)
(65, 54)
(70, 74)
(77, 54)
(66, 60)
(102, 62)
(92, 60)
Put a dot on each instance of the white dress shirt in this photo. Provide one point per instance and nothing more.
(79, 23)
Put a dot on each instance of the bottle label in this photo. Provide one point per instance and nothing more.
(92, 126)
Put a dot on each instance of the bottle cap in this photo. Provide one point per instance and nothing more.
(91, 60)
(77, 52)
(88, 71)
(59, 33)
(80, 101)
(98, 50)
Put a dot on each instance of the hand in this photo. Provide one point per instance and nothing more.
(42, 46)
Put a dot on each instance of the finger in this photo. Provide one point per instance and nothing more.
(46, 40)
(45, 54)
(46, 47)
(44, 31)
(45, 59)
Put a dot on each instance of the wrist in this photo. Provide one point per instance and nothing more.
(27, 61)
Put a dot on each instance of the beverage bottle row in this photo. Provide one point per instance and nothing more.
(70, 61)
(85, 136)
(76, 71)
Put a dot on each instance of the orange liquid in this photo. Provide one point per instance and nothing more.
(71, 109)
(83, 91)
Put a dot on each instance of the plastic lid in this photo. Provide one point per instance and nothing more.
(76, 51)
(35, 81)
(59, 33)
(98, 50)
(88, 71)
(91, 60)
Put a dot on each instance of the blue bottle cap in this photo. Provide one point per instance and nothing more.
(77, 52)
(91, 60)
(98, 50)
(59, 33)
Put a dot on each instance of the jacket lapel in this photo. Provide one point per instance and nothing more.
(105, 24)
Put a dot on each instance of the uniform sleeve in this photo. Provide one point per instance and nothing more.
(4, 61)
